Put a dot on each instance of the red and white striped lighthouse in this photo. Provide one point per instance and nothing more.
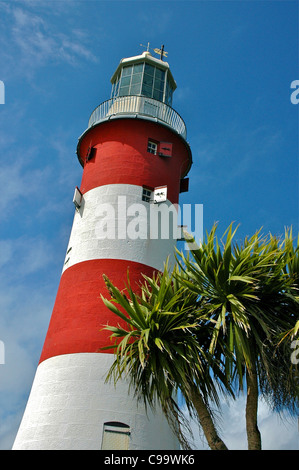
(134, 153)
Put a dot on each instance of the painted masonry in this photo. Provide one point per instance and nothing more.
(135, 142)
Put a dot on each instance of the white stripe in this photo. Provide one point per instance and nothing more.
(91, 240)
(70, 402)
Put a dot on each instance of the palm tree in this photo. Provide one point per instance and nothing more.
(160, 351)
(249, 299)
(212, 324)
(287, 340)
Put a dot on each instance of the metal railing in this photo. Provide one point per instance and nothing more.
(139, 105)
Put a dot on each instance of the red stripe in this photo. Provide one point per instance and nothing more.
(79, 313)
(121, 156)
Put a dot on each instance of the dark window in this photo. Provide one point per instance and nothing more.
(184, 185)
(146, 195)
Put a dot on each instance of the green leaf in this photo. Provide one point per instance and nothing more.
(246, 279)
(115, 310)
(159, 343)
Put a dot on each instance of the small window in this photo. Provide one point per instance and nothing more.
(152, 147)
(146, 195)
(116, 436)
(91, 151)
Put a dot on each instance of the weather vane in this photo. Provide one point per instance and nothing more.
(160, 52)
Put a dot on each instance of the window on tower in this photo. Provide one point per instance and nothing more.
(116, 436)
(152, 147)
(147, 194)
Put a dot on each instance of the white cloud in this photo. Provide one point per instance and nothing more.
(39, 43)
(278, 432)
(32, 41)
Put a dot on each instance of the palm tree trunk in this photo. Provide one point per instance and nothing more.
(253, 433)
(206, 422)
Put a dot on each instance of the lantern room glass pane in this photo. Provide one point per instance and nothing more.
(135, 89)
(136, 78)
(159, 85)
(149, 69)
(124, 91)
(148, 79)
(127, 70)
(158, 95)
(125, 81)
(138, 68)
(168, 94)
(160, 74)
(147, 90)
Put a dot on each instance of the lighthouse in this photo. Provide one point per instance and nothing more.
(135, 160)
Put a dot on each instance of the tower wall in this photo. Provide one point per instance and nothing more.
(70, 401)
(115, 176)
(121, 156)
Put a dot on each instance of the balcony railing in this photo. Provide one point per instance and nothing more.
(141, 106)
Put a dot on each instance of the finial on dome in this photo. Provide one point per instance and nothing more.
(160, 52)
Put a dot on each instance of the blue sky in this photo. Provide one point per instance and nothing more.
(233, 62)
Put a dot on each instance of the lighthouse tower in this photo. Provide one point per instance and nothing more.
(135, 159)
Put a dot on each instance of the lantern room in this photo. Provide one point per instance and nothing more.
(144, 75)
